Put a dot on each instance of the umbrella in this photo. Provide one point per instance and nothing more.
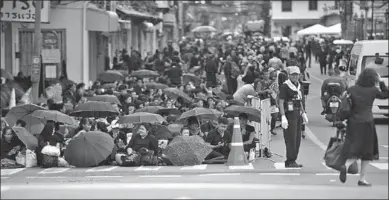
(161, 132)
(105, 98)
(188, 150)
(26, 137)
(94, 109)
(124, 72)
(202, 113)
(234, 102)
(109, 85)
(175, 93)
(204, 29)
(141, 117)
(168, 111)
(191, 78)
(153, 85)
(54, 115)
(149, 109)
(6, 75)
(252, 113)
(23, 112)
(144, 73)
(110, 76)
(175, 128)
(342, 41)
(89, 149)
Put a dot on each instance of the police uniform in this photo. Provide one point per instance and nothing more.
(293, 110)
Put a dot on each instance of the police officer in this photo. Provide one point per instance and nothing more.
(292, 115)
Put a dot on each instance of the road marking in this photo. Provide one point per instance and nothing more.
(6, 172)
(316, 78)
(160, 176)
(195, 167)
(327, 166)
(334, 174)
(332, 180)
(103, 176)
(182, 198)
(221, 174)
(142, 168)
(5, 188)
(315, 139)
(385, 146)
(381, 166)
(279, 174)
(3, 177)
(282, 166)
(102, 169)
(44, 177)
(249, 166)
(53, 170)
(383, 158)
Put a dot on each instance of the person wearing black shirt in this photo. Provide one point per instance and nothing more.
(308, 53)
(322, 54)
(219, 138)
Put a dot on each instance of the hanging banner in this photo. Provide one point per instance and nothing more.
(23, 11)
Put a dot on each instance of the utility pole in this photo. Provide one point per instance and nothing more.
(36, 58)
(372, 18)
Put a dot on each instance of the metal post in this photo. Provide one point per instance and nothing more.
(37, 51)
(372, 18)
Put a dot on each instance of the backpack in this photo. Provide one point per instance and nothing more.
(235, 71)
(345, 107)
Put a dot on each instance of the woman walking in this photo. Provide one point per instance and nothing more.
(361, 138)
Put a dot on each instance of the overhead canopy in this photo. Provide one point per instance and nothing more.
(101, 20)
(312, 30)
(335, 29)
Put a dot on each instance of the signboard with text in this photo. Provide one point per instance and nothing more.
(23, 11)
(36, 69)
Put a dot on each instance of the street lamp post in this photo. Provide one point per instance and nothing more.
(386, 24)
(355, 18)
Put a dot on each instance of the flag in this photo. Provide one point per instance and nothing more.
(12, 99)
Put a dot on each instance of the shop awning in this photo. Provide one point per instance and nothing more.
(142, 16)
(101, 20)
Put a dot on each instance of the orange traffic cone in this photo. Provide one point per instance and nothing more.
(237, 155)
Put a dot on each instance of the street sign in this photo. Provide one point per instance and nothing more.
(35, 69)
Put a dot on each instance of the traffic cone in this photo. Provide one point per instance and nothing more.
(237, 155)
(12, 101)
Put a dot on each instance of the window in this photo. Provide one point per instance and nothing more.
(381, 67)
(286, 5)
(353, 63)
(312, 5)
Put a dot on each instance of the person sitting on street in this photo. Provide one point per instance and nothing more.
(219, 138)
(248, 132)
(333, 79)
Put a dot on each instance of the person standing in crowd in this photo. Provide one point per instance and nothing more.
(232, 82)
(361, 136)
(323, 58)
(308, 52)
(292, 115)
(211, 68)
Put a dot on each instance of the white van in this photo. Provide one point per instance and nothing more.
(363, 56)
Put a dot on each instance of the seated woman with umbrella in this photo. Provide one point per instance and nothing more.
(10, 147)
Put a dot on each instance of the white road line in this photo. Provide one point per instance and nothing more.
(103, 176)
(315, 139)
(6, 172)
(53, 170)
(385, 146)
(383, 158)
(195, 167)
(44, 177)
(5, 188)
(282, 166)
(182, 198)
(249, 166)
(102, 169)
(279, 174)
(160, 176)
(381, 166)
(221, 174)
(334, 174)
(3, 177)
(324, 164)
(142, 168)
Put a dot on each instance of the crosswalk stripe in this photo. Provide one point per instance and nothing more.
(381, 166)
(282, 166)
(53, 170)
(102, 169)
(6, 172)
(385, 146)
(249, 166)
(142, 168)
(195, 167)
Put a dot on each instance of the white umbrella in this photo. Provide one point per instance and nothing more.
(315, 29)
(203, 29)
(342, 41)
(335, 29)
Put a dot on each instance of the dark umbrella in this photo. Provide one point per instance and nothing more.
(141, 117)
(110, 76)
(143, 73)
(187, 150)
(200, 113)
(150, 109)
(252, 113)
(94, 109)
(105, 98)
(154, 85)
(89, 149)
(176, 93)
(168, 111)
(234, 102)
(161, 132)
(175, 128)
(26, 137)
(54, 115)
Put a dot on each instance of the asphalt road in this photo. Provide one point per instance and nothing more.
(263, 178)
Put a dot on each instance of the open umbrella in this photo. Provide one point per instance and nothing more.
(343, 41)
(23, 112)
(89, 149)
(175, 128)
(6, 75)
(149, 109)
(204, 29)
(54, 115)
(143, 73)
(187, 150)
(94, 109)
(26, 137)
(252, 113)
(168, 111)
(161, 132)
(200, 113)
(176, 93)
(188, 77)
(141, 117)
(154, 85)
(105, 98)
(110, 76)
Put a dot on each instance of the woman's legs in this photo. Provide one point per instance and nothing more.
(363, 172)
(344, 169)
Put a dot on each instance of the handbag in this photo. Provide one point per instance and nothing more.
(334, 156)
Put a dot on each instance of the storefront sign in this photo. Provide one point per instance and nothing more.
(22, 11)
(36, 69)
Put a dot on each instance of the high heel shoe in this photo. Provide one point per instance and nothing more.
(364, 184)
